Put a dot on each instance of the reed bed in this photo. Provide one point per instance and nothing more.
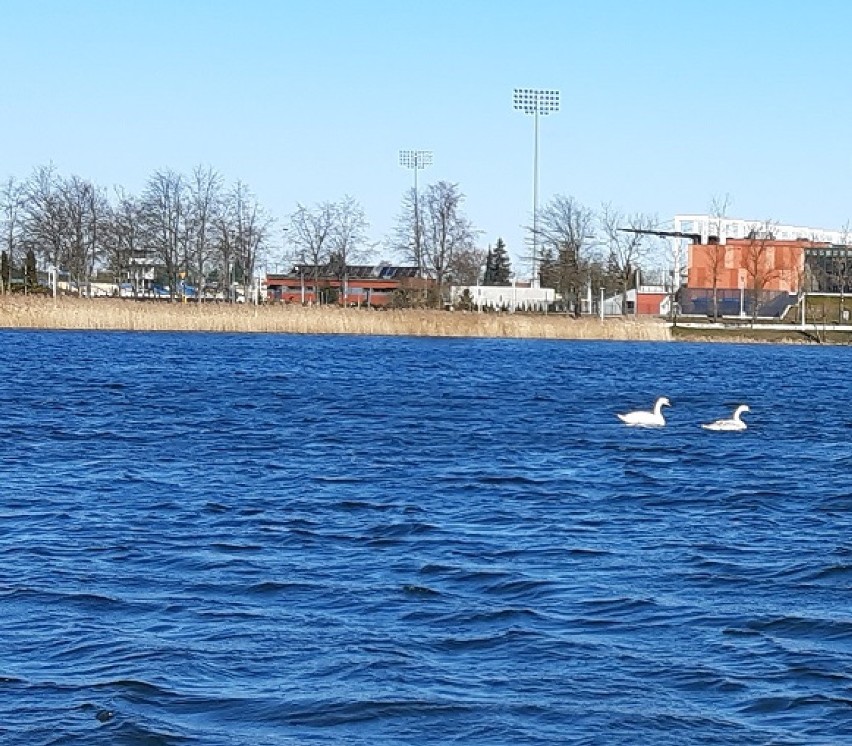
(128, 315)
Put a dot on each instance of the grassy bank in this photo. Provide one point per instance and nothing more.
(74, 313)
(745, 334)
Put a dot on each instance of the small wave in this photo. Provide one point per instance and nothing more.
(776, 704)
(235, 548)
(824, 629)
(399, 530)
(122, 729)
(330, 714)
(839, 571)
(740, 632)
(272, 586)
(214, 507)
(436, 569)
(419, 590)
(485, 642)
(497, 617)
(337, 480)
(621, 604)
(86, 599)
(524, 587)
(132, 686)
(479, 575)
(512, 479)
(362, 505)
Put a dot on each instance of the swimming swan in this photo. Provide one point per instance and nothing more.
(647, 419)
(735, 423)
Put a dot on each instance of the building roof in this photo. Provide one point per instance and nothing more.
(726, 228)
(355, 271)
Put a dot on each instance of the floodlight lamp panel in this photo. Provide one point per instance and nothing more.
(415, 159)
(536, 101)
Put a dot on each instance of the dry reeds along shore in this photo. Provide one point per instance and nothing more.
(74, 313)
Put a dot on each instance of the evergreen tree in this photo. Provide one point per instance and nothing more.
(501, 265)
(488, 279)
(4, 273)
(30, 276)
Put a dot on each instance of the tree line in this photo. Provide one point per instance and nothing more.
(197, 229)
(200, 230)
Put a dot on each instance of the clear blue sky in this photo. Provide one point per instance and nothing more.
(664, 104)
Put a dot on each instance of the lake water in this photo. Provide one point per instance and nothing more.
(214, 539)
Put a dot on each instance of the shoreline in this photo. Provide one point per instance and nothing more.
(22, 312)
(113, 314)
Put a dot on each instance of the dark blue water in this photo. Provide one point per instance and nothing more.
(213, 539)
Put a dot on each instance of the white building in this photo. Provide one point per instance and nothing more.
(724, 228)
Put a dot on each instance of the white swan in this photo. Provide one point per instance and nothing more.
(734, 423)
(647, 419)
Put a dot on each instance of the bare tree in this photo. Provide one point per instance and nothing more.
(205, 204)
(62, 222)
(568, 247)
(715, 251)
(251, 230)
(311, 235)
(628, 244)
(407, 237)
(467, 266)
(348, 239)
(124, 241)
(758, 262)
(84, 206)
(447, 230)
(12, 200)
(45, 230)
(165, 208)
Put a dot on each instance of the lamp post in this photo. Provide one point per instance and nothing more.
(301, 270)
(742, 298)
(416, 160)
(538, 102)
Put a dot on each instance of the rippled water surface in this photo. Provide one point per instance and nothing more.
(212, 539)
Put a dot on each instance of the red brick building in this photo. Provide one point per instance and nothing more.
(766, 263)
(358, 285)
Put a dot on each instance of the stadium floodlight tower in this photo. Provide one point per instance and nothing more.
(416, 160)
(538, 102)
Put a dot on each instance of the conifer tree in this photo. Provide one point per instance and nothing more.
(4, 273)
(30, 276)
(488, 279)
(501, 265)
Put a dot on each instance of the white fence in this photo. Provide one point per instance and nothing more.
(504, 297)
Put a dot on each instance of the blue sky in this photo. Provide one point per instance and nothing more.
(664, 104)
